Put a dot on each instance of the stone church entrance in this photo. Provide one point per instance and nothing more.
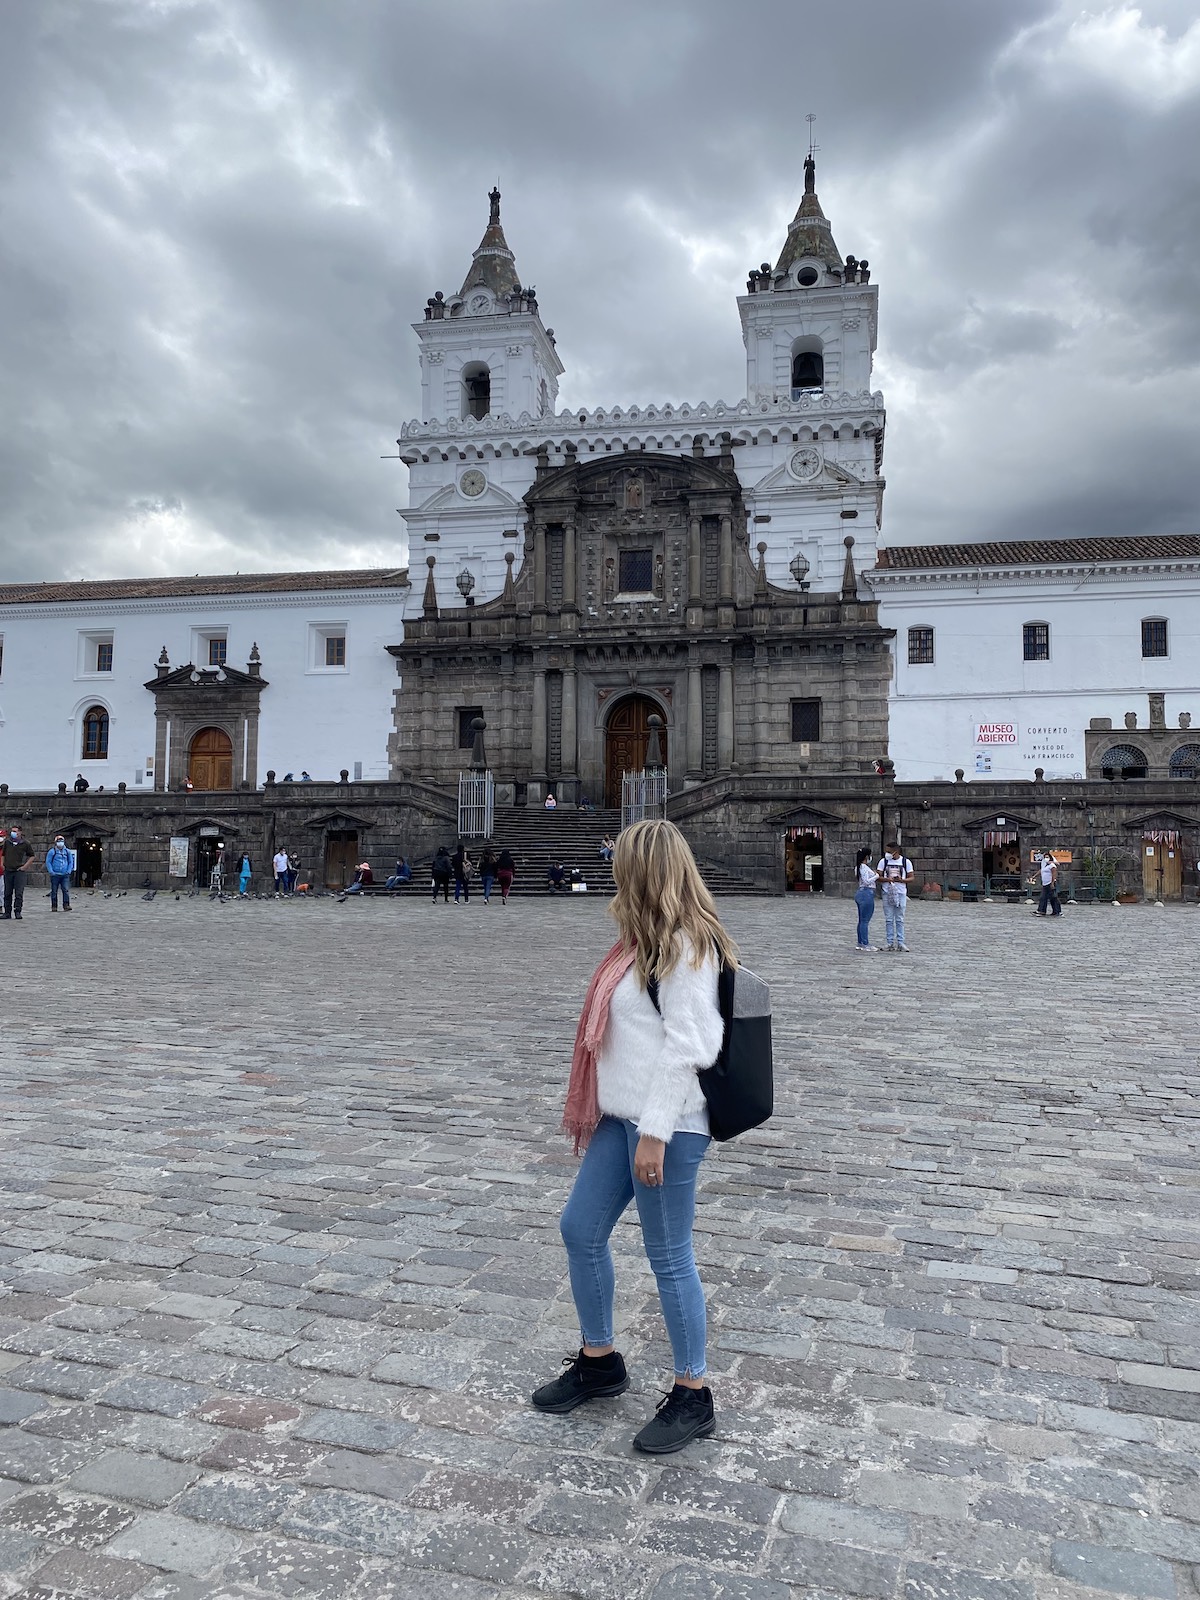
(626, 736)
(210, 760)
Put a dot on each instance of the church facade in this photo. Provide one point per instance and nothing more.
(586, 573)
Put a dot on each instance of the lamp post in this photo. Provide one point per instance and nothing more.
(799, 567)
(464, 583)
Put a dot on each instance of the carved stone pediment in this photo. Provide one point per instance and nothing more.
(338, 822)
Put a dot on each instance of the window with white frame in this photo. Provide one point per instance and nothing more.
(327, 647)
(95, 654)
(210, 647)
(920, 646)
(1154, 636)
(1035, 639)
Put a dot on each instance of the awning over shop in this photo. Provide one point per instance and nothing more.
(997, 836)
(1161, 835)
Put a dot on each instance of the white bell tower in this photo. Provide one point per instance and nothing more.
(810, 324)
(484, 351)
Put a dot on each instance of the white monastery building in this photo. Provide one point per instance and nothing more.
(1006, 653)
(139, 681)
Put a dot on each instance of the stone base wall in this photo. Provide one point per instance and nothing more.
(739, 822)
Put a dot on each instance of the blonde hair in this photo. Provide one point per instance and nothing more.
(660, 894)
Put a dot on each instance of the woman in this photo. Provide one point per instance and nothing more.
(864, 896)
(487, 871)
(607, 845)
(650, 1022)
(506, 869)
(243, 875)
(463, 868)
(440, 872)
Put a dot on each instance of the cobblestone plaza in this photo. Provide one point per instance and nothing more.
(279, 1191)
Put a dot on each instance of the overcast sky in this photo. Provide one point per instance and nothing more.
(219, 217)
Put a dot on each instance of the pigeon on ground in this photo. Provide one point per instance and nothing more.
(107, 894)
(149, 894)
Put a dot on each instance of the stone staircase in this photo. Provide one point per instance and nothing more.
(537, 837)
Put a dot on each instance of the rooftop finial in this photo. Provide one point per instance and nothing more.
(810, 165)
(494, 197)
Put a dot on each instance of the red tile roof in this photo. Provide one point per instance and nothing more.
(1042, 552)
(102, 589)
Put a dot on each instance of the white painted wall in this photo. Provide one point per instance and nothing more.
(311, 716)
(979, 674)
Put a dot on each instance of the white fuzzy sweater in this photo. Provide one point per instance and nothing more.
(646, 1072)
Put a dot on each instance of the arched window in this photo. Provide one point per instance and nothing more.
(808, 366)
(1185, 762)
(477, 390)
(1123, 761)
(95, 734)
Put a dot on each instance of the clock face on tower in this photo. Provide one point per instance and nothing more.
(805, 462)
(472, 483)
(479, 304)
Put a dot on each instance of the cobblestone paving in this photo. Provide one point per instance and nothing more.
(279, 1192)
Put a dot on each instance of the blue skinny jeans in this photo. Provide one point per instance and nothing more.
(865, 901)
(603, 1189)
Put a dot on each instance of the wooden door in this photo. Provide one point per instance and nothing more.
(1168, 857)
(341, 859)
(210, 760)
(625, 739)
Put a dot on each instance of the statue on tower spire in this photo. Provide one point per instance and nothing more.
(810, 174)
(494, 197)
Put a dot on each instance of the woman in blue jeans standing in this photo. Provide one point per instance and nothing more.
(864, 896)
(650, 1023)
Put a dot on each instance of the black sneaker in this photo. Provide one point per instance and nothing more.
(586, 1378)
(683, 1415)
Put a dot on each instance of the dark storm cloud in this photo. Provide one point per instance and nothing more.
(220, 216)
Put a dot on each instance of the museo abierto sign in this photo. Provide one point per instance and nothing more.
(996, 733)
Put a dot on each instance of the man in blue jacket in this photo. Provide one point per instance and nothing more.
(58, 865)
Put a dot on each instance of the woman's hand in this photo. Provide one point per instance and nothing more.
(648, 1161)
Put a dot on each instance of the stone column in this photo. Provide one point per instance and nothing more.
(161, 750)
(539, 574)
(570, 756)
(725, 719)
(570, 600)
(695, 722)
(537, 738)
(726, 560)
(694, 561)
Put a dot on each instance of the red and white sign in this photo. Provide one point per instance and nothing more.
(991, 733)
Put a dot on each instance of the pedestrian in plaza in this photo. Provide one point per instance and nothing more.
(293, 872)
(363, 878)
(487, 872)
(279, 865)
(243, 875)
(650, 1023)
(557, 874)
(550, 803)
(401, 876)
(18, 853)
(607, 845)
(58, 865)
(81, 785)
(464, 867)
(506, 871)
(1048, 872)
(864, 896)
(442, 871)
(897, 873)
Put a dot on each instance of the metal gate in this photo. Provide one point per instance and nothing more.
(643, 794)
(476, 805)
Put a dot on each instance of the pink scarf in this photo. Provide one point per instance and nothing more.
(581, 1115)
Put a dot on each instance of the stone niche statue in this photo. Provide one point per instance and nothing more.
(634, 494)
